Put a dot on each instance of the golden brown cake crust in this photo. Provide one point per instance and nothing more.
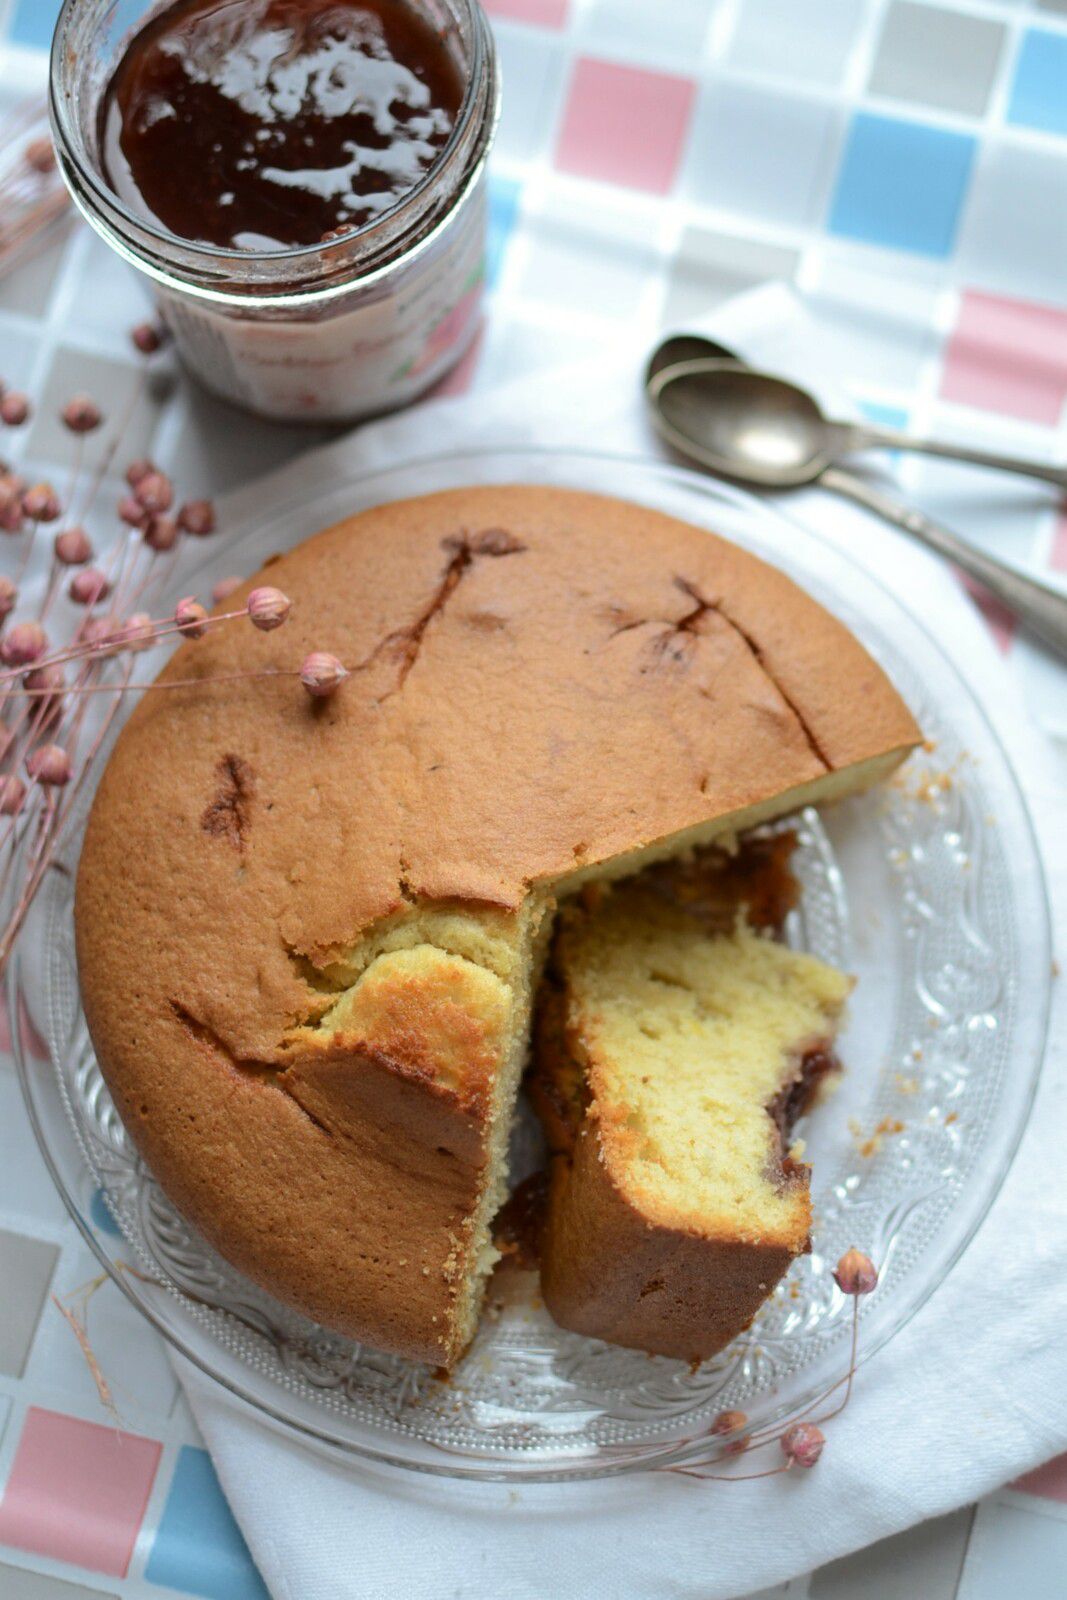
(607, 1272)
(544, 680)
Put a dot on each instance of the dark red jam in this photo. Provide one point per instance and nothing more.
(262, 124)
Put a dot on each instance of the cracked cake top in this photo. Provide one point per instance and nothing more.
(546, 685)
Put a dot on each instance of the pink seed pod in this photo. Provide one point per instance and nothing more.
(8, 597)
(731, 1422)
(322, 674)
(12, 794)
(191, 617)
(103, 634)
(224, 588)
(50, 704)
(139, 469)
(89, 586)
(138, 632)
(160, 533)
(72, 547)
(268, 608)
(41, 503)
(148, 337)
(197, 517)
(49, 765)
(131, 512)
(81, 415)
(802, 1444)
(728, 1422)
(40, 156)
(23, 645)
(856, 1273)
(154, 492)
(14, 409)
(7, 739)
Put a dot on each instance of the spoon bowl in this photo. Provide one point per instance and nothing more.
(743, 424)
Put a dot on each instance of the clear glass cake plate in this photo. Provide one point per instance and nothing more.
(929, 890)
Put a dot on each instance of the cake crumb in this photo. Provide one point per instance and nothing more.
(907, 1085)
(869, 1145)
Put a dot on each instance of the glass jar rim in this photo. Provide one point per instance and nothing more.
(109, 213)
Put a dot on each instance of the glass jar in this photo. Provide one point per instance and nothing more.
(329, 332)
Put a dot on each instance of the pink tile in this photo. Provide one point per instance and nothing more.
(1009, 356)
(1059, 545)
(1049, 1481)
(78, 1491)
(624, 125)
(1000, 621)
(541, 13)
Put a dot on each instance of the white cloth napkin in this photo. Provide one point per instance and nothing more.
(971, 1393)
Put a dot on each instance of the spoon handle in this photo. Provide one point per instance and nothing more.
(858, 436)
(1040, 607)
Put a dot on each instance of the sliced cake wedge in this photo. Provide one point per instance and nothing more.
(672, 1058)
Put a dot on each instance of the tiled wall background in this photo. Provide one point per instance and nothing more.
(905, 166)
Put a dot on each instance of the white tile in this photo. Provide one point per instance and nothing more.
(132, 1355)
(589, 259)
(117, 386)
(669, 35)
(874, 327)
(532, 68)
(807, 42)
(108, 297)
(1014, 1555)
(762, 153)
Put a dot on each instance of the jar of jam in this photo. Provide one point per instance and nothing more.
(302, 180)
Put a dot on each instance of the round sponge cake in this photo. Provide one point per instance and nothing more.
(309, 933)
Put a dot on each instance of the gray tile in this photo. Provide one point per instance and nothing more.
(937, 58)
(710, 267)
(1014, 1553)
(25, 1273)
(27, 288)
(16, 1583)
(925, 1560)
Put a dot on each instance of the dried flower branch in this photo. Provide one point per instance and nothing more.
(801, 1441)
(32, 194)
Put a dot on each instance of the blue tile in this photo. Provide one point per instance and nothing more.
(884, 416)
(902, 185)
(100, 1212)
(503, 210)
(34, 22)
(198, 1548)
(1039, 93)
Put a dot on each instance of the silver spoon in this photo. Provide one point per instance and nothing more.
(781, 432)
(1040, 607)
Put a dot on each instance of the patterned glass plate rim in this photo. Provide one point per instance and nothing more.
(930, 890)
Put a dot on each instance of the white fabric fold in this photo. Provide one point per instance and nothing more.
(972, 1392)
